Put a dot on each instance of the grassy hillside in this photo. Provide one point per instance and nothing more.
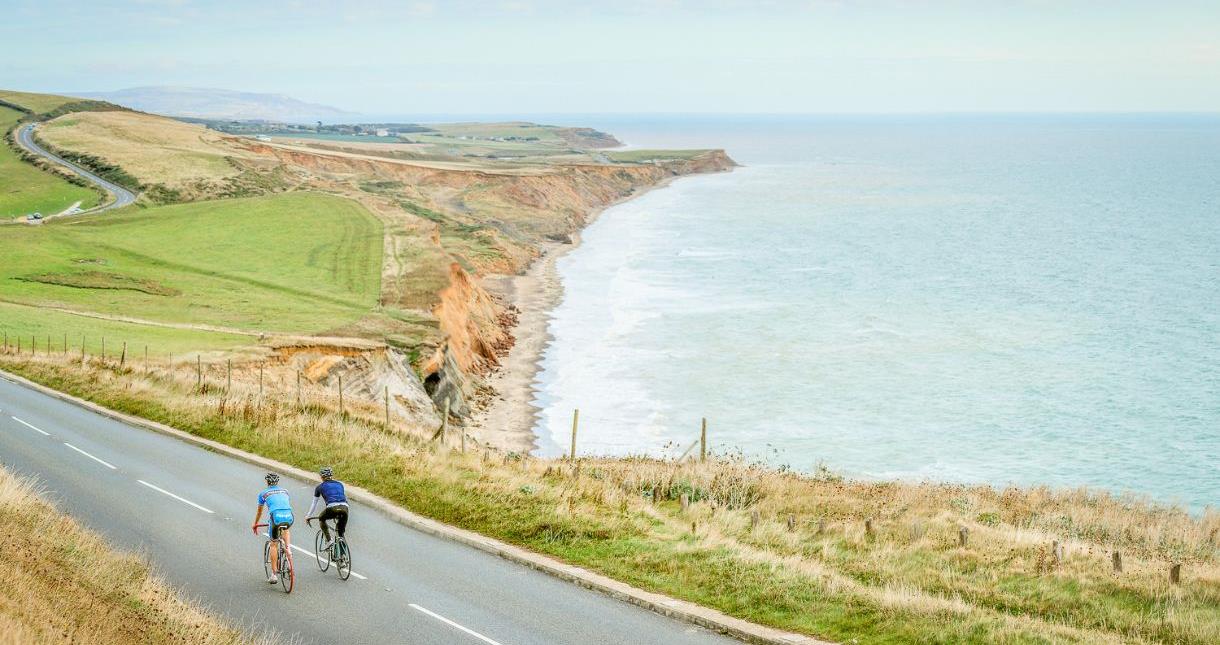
(292, 263)
(25, 188)
(153, 149)
(63, 584)
(36, 103)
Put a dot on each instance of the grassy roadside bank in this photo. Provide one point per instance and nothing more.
(901, 577)
(65, 584)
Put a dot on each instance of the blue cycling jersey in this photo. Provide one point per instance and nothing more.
(279, 507)
(331, 491)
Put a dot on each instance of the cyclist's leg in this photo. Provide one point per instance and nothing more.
(322, 518)
(274, 531)
(341, 521)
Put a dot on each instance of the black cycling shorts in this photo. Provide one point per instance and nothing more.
(276, 528)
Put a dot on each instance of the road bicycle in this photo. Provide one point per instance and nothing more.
(338, 553)
(286, 574)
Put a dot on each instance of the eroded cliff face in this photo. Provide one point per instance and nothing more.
(448, 226)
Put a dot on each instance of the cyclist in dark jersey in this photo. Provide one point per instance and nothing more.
(329, 492)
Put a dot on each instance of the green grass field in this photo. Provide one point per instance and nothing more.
(292, 263)
(636, 156)
(27, 189)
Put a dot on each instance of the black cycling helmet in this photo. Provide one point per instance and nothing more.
(326, 472)
(272, 479)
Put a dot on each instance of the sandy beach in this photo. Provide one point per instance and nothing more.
(508, 420)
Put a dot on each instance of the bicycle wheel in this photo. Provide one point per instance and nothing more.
(323, 554)
(266, 559)
(287, 575)
(343, 559)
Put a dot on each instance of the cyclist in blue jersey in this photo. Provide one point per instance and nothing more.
(330, 492)
(279, 518)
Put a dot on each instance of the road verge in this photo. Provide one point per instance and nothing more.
(658, 603)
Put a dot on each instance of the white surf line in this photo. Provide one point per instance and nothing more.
(180, 499)
(453, 624)
(44, 432)
(315, 556)
(100, 461)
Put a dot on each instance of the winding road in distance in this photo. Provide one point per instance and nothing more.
(122, 196)
(190, 510)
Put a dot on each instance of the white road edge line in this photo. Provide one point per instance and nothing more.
(100, 461)
(315, 556)
(453, 624)
(44, 432)
(180, 499)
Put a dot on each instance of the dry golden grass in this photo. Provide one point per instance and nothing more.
(154, 149)
(63, 584)
(906, 580)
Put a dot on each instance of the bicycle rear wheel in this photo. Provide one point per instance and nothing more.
(322, 553)
(343, 559)
(266, 559)
(287, 575)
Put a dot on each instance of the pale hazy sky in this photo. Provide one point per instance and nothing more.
(633, 56)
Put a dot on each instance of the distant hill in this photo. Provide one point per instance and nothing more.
(211, 103)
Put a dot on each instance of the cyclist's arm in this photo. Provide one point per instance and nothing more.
(313, 506)
(257, 516)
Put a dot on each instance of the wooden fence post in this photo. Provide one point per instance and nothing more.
(146, 358)
(753, 519)
(341, 412)
(1175, 574)
(868, 527)
(445, 421)
(684, 502)
(1057, 552)
(298, 388)
(963, 537)
(82, 350)
(260, 381)
(123, 356)
(65, 344)
(6, 341)
(791, 522)
(19, 346)
(48, 344)
(1117, 560)
(103, 350)
(575, 421)
(703, 441)
(387, 407)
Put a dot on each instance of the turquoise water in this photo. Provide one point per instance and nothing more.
(1005, 300)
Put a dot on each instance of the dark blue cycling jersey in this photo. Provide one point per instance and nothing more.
(331, 491)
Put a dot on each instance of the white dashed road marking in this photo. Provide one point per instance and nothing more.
(455, 625)
(44, 432)
(100, 461)
(180, 499)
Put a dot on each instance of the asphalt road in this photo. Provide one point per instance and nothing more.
(122, 196)
(189, 510)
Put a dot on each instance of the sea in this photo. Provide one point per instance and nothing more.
(1005, 299)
